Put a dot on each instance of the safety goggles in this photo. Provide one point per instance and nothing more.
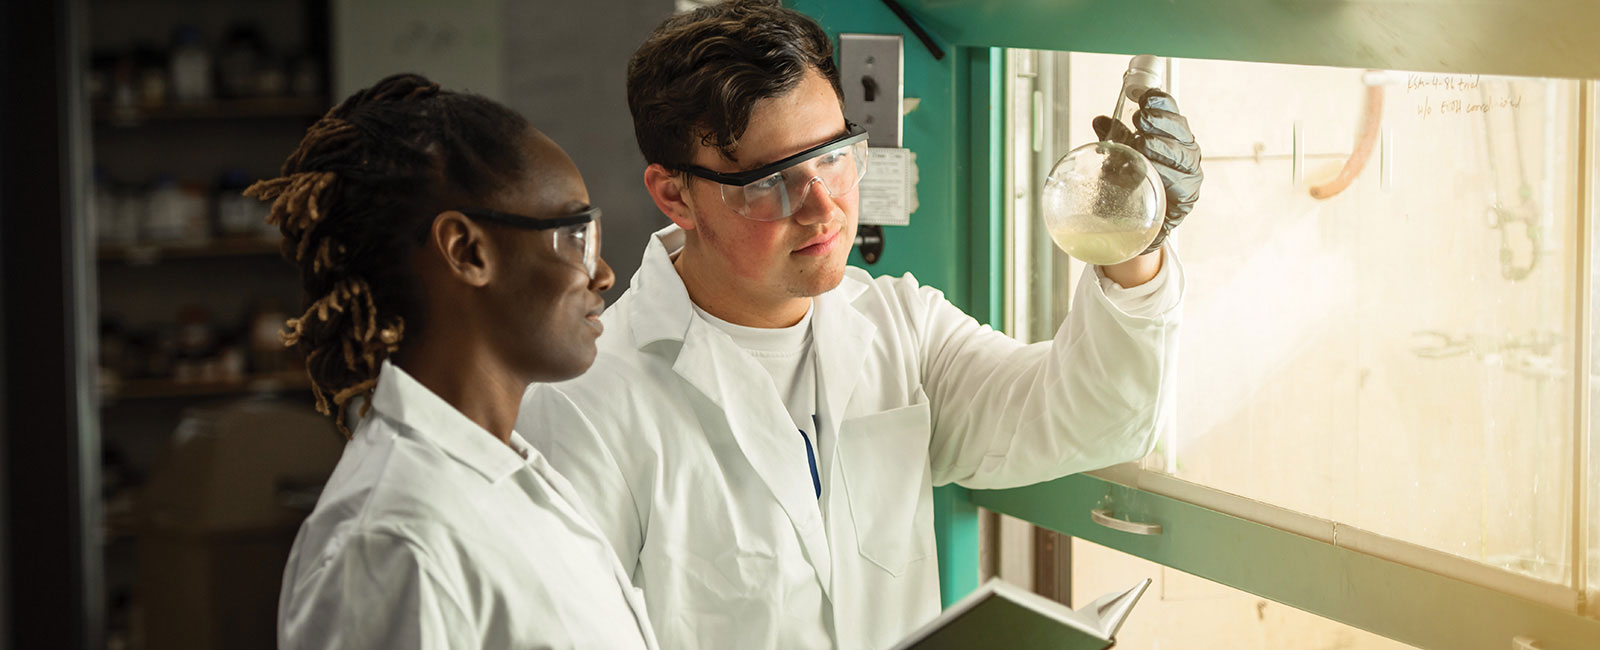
(776, 191)
(575, 237)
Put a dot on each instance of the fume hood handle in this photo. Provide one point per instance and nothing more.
(1104, 517)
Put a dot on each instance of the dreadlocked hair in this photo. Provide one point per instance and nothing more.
(355, 201)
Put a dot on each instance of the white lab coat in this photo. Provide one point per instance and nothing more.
(433, 534)
(680, 445)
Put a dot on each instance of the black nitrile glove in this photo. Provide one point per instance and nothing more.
(1164, 139)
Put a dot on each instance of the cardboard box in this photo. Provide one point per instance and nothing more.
(217, 520)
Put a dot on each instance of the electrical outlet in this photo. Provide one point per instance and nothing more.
(872, 75)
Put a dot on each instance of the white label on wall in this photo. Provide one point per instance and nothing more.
(889, 192)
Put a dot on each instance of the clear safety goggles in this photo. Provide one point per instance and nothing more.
(776, 191)
(575, 237)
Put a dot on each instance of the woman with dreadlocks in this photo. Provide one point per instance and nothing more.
(450, 257)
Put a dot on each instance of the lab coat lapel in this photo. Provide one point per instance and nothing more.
(736, 385)
(747, 405)
(569, 503)
(841, 336)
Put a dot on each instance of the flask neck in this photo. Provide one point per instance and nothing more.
(1144, 72)
(1122, 101)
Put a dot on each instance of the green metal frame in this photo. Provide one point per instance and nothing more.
(1404, 603)
(1546, 38)
(955, 242)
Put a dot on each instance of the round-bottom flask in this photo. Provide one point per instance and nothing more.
(1103, 203)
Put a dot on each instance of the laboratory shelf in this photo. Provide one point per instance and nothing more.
(227, 109)
(141, 254)
(276, 382)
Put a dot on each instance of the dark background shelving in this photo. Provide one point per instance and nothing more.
(84, 450)
(253, 108)
(155, 290)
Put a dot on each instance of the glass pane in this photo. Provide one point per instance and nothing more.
(1593, 516)
(1396, 355)
(1181, 611)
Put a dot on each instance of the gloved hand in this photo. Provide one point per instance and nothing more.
(1164, 138)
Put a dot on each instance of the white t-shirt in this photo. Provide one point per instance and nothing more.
(785, 353)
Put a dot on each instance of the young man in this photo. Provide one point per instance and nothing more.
(763, 427)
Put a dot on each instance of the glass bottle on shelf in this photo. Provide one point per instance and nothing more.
(190, 67)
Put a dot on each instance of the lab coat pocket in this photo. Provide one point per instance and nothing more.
(889, 484)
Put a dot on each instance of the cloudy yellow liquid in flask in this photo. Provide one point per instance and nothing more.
(1103, 202)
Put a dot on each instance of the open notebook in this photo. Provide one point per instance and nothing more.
(1002, 615)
